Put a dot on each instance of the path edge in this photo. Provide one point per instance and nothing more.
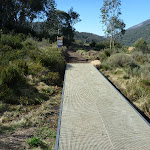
(124, 98)
(60, 113)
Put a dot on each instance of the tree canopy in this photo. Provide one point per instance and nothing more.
(110, 18)
(20, 16)
(18, 12)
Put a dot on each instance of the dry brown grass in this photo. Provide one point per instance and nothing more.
(132, 88)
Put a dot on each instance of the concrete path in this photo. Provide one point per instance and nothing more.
(96, 117)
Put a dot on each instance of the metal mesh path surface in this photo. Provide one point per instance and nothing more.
(96, 117)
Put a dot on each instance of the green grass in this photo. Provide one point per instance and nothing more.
(36, 142)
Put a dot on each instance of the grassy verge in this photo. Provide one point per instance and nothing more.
(128, 70)
(130, 73)
(31, 79)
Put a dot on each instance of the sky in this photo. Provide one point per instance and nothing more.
(133, 13)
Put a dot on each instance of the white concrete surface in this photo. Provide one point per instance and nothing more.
(96, 117)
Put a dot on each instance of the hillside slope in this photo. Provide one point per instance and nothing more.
(141, 30)
(88, 37)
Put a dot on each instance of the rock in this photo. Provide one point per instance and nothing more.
(130, 49)
(96, 63)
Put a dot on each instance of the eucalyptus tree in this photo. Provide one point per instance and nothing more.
(16, 13)
(110, 12)
(63, 21)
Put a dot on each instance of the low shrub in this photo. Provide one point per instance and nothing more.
(101, 45)
(10, 76)
(106, 66)
(126, 76)
(3, 108)
(29, 44)
(122, 60)
(22, 66)
(5, 48)
(92, 44)
(141, 45)
(51, 79)
(7, 95)
(36, 142)
(53, 59)
(141, 57)
(141, 71)
(45, 132)
(135, 91)
(12, 41)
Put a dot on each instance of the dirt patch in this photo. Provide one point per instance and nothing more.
(25, 123)
(15, 140)
(75, 57)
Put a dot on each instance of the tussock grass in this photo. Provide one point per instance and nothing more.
(130, 73)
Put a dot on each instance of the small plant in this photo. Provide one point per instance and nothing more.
(141, 44)
(35, 142)
(126, 77)
(3, 107)
(146, 82)
(10, 76)
(106, 66)
(48, 91)
(51, 79)
(45, 132)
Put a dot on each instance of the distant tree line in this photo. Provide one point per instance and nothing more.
(20, 16)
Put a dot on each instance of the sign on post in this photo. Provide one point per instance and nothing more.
(59, 42)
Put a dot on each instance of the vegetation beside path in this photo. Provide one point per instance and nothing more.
(128, 70)
(31, 79)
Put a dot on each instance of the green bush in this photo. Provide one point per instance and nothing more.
(12, 41)
(141, 57)
(92, 44)
(10, 76)
(30, 45)
(53, 59)
(106, 66)
(135, 90)
(35, 142)
(141, 45)
(7, 94)
(142, 71)
(104, 54)
(121, 60)
(45, 132)
(101, 45)
(146, 82)
(10, 80)
(3, 107)
(52, 78)
(35, 68)
(5, 48)
(22, 36)
(22, 67)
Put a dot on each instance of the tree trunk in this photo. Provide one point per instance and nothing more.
(111, 42)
